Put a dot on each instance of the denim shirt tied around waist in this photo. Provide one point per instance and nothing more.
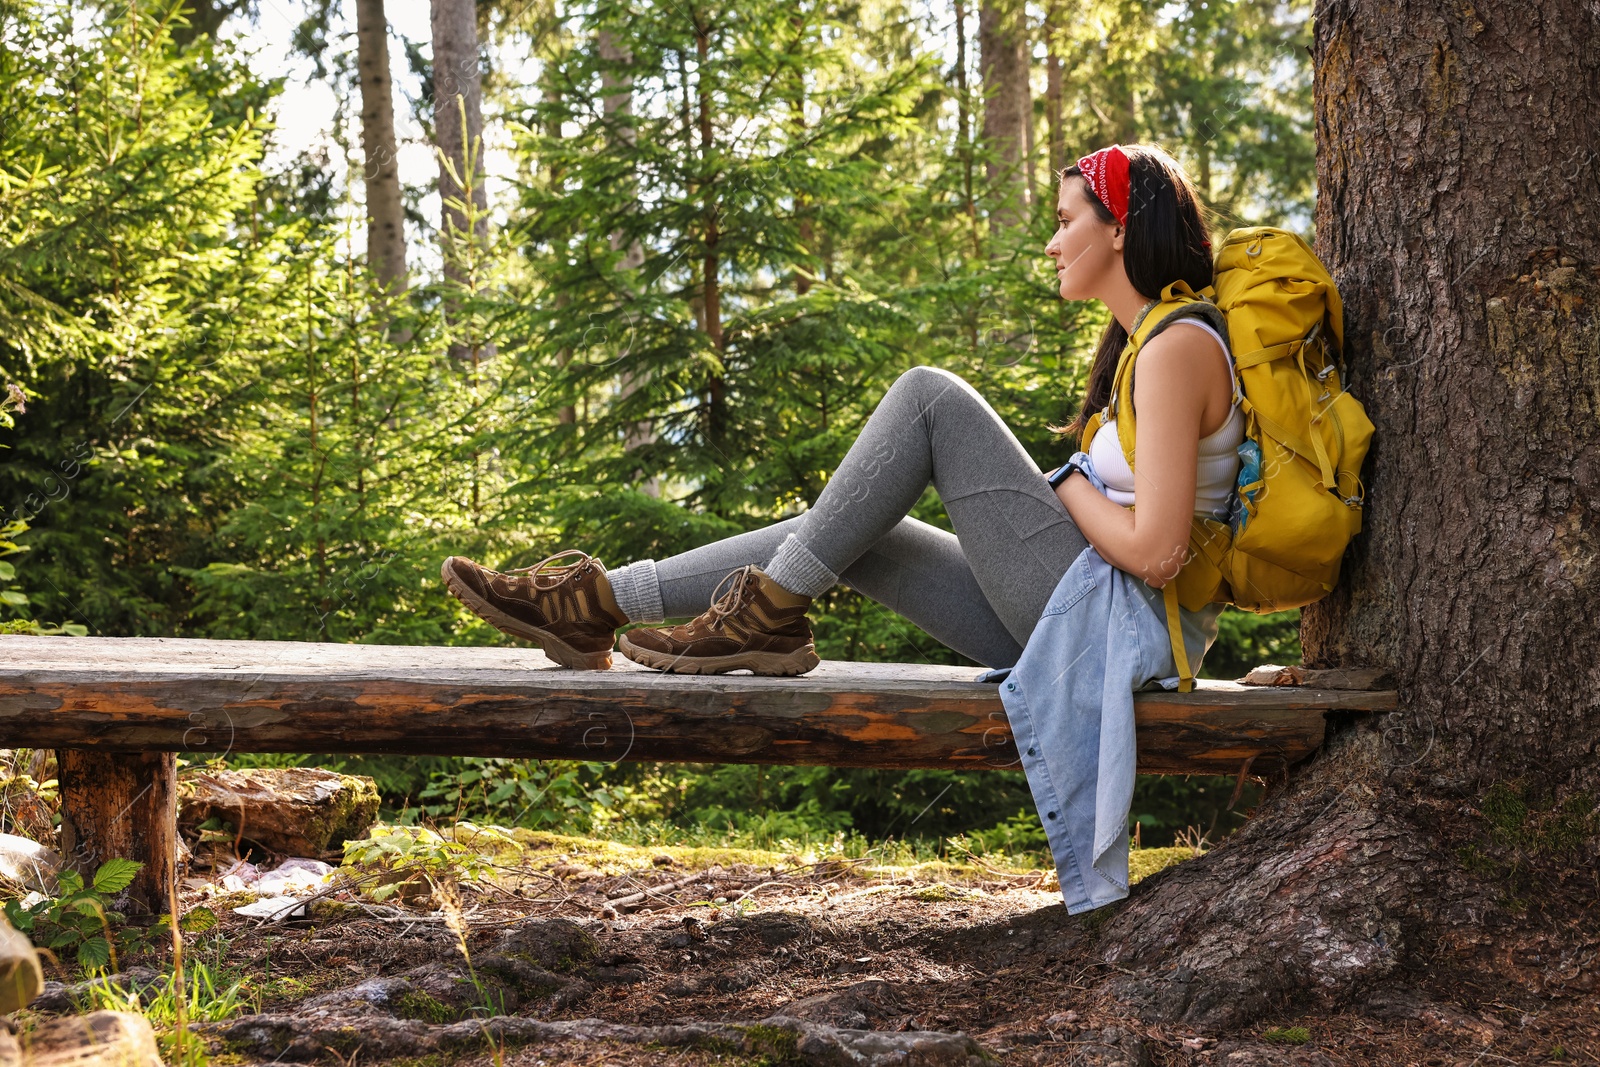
(1069, 700)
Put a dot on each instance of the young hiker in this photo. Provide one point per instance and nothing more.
(1130, 225)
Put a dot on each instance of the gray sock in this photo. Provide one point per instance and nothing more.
(797, 570)
(638, 591)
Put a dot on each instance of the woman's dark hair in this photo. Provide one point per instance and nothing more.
(1167, 231)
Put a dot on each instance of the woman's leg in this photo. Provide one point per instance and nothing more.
(931, 426)
(1013, 540)
(915, 570)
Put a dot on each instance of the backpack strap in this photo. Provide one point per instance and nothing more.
(1180, 655)
(1177, 302)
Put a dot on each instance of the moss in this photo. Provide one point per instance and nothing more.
(610, 857)
(283, 988)
(773, 1044)
(326, 910)
(1294, 1035)
(415, 1004)
(1143, 862)
(230, 1058)
(351, 811)
(1566, 830)
(1506, 813)
(1538, 831)
(347, 1039)
(941, 891)
(1473, 859)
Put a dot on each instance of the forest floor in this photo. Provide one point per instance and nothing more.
(532, 953)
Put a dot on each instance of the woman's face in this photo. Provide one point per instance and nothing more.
(1086, 250)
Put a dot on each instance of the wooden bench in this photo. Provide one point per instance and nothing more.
(117, 709)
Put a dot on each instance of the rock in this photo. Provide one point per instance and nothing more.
(99, 1039)
(20, 976)
(304, 1038)
(28, 865)
(298, 811)
(855, 1007)
(57, 997)
(771, 928)
(1115, 1046)
(1241, 1054)
(559, 945)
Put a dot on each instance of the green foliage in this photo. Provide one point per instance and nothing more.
(510, 792)
(12, 599)
(413, 851)
(1165, 805)
(670, 332)
(79, 919)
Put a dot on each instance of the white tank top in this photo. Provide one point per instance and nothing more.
(1218, 465)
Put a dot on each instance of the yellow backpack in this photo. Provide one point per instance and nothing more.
(1298, 499)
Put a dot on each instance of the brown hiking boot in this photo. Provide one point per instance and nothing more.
(742, 628)
(558, 608)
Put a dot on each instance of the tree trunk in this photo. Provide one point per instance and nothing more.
(964, 128)
(1448, 844)
(712, 304)
(1007, 106)
(567, 415)
(1054, 89)
(458, 133)
(203, 18)
(386, 235)
(121, 805)
(616, 85)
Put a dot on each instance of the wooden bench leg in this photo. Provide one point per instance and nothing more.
(121, 805)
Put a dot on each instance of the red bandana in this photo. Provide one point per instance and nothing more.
(1107, 174)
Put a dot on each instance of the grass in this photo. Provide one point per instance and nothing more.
(633, 849)
(171, 1004)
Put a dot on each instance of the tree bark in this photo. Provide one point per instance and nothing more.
(121, 805)
(567, 415)
(458, 133)
(712, 300)
(616, 85)
(386, 235)
(1053, 94)
(964, 131)
(1008, 106)
(1456, 167)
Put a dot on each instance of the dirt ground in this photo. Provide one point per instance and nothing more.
(762, 958)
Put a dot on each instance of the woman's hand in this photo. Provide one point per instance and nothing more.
(1177, 371)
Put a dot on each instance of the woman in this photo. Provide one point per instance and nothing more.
(1129, 224)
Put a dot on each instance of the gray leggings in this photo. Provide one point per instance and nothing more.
(979, 590)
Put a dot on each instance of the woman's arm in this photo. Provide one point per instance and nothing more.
(1169, 395)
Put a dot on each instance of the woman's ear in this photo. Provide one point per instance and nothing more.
(1119, 238)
